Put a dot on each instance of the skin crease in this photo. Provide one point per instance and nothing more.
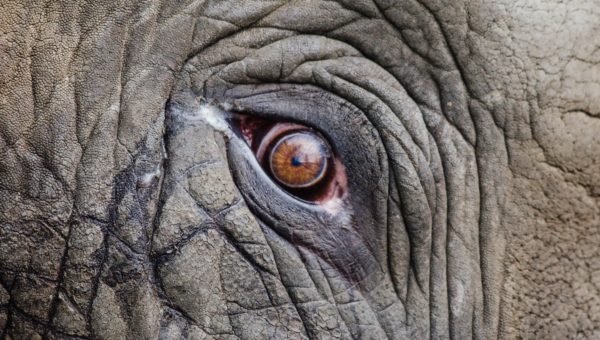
(471, 137)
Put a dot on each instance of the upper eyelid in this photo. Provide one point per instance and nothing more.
(314, 108)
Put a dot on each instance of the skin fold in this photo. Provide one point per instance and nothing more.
(468, 133)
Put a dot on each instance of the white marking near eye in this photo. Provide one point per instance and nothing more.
(212, 115)
(337, 207)
(333, 206)
(215, 117)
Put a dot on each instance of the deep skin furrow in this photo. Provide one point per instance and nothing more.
(61, 273)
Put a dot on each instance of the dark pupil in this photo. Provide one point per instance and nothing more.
(296, 161)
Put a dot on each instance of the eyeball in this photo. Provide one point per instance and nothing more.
(296, 157)
(300, 160)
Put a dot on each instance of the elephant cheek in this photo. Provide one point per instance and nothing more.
(212, 260)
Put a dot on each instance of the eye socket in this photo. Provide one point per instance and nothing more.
(298, 158)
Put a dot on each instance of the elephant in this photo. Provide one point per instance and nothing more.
(268, 169)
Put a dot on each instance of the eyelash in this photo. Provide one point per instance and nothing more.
(290, 153)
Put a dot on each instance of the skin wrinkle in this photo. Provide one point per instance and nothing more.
(505, 54)
(337, 304)
(54, 303)
(463, 80)
(400, 204)
(295, 300)
(160, 286)
(333, 296)
(306, 329)
(198, 50)
(452, 53)
(413, 138)
(398, 287)
(249, 257)
(420, 288)
(96, 283)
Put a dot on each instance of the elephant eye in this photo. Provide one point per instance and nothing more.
(298, 158)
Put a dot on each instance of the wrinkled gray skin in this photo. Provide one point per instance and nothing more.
(470, 133)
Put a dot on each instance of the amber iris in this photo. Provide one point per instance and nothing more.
(299, 159)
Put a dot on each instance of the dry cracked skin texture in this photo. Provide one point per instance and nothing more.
(470, 132)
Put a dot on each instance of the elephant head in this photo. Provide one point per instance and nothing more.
(375, 169)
